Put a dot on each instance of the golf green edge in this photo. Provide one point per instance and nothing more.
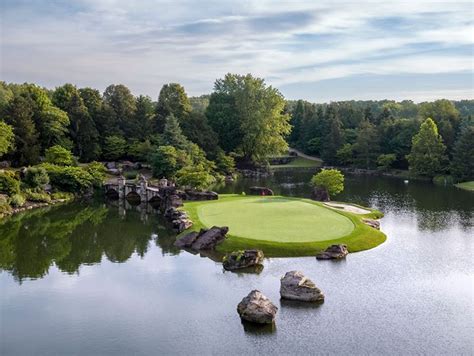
(362, 237)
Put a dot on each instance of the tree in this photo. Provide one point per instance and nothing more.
(259, 116)
(171, 101)
(114, 147)
(167, 160)
(385, 161)
(367, 144)
(172, 134)
(196, 177)
(333, 140)
(123, 105)
(196, 128)
(7, 138)
(330, 180)
(345, 154)
(142, 127)
(59, 155)
(462, 165)
(19, 114)
(36, 177)
(427, 154)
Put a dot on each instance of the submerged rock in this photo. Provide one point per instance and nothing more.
(333, 252)
(372, 223)
(204, 239)
(296, 286)
(257, 308)
(261, 191)
(242, 259)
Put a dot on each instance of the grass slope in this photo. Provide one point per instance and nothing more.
(466, 186)
(283, 226)
(298, 162)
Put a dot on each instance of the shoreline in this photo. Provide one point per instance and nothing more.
(32, 205)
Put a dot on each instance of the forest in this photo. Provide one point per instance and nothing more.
(243, 121)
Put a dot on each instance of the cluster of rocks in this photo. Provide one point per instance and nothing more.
(372, 223)
(257, 308)
(260, 191)
(242, 259)
(333, 252)
(191, 194)
(205, 239)
(179, 219)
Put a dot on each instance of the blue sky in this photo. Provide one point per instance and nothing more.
(315, 50)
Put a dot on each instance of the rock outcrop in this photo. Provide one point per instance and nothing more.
(296, 286)
(333, 252)
(191, 194)
(261, 191)
(204, 239)
(257, 308)
(179, 219)
(372, 223)
(242, 259)
(320, 194)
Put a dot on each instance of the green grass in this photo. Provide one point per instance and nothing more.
(466, 185)
(298, 162)
(282, 226)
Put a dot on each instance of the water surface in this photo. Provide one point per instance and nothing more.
(99, 279)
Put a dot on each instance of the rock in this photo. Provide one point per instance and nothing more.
(5, 164)
(114, 171)
(204, 239)
(207, 240)
(187, 240)
(320, 194)
(372, 223)
(260, 191)
(296, 286)
(111, 165)
(257, 308)
(242, 259)
(191, 194)
(333, 252)
(179, 219)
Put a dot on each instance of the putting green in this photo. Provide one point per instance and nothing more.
(276, 219)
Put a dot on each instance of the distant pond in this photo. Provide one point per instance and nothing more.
(104, 278)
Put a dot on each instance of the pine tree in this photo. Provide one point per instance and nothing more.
(333, 140)
(367, 144)
(173, 135)
(427, 156)
(462, 165)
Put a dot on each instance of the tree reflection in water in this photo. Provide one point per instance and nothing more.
(74, 234)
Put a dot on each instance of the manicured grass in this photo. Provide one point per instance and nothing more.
(282, 226)
(298, 162)
(466, 186)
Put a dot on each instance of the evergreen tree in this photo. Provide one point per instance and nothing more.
(333, 140)
(367, 144)
(122, 102)
(171, 101)
(172, 134)
(143, 121)
(462, 165)
(427, 156)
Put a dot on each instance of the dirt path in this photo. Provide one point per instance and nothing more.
(301, 154)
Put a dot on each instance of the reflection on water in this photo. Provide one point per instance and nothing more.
(74, 234)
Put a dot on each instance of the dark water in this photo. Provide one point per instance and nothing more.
(98, 279)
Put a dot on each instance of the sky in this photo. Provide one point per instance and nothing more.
(320, 51)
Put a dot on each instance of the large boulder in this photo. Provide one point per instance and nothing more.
(204, 239)
(179, 219)
(261, 191)
(296, 286)
(257, 308)
(191, 194)
(333, 252)
(320, 194)
(242, 259)
(372, 223)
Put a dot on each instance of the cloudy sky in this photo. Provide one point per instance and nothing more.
(315, 50)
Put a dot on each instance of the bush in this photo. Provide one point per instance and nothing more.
(37, 196)
(36, 177)
(330, 180)
(140, 151)
(17, 200)
(195, 177)
(384, 162)
(59, 155)
(4, 205)
(167, 160)
(62, 196)
(130, 174)
(8, 184)
(69, 179)
(97, 172)
(225, 164)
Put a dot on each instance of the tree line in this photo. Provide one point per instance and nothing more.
(429, 138)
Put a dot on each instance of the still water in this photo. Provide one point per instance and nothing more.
(97, 279)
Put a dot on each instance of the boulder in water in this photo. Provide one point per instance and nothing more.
(333, 252)
(257, 308)
(242, 259)
(296, 286)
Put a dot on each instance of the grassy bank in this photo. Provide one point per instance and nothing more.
(283, 226)
(298, 162)
(466, 186)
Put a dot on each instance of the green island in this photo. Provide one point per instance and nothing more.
(284, 226)
(466, 186)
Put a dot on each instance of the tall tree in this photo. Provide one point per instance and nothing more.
(334, 138)
(122, 102)
(462, 165)
(7, 138)
(367, 144)
(171, 101)
(427, 156)
(173, 135)
(143, 121)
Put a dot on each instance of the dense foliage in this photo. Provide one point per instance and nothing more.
(331, 180)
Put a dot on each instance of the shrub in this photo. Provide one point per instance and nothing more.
(384, 162)
(8, 184)
(167, 160)
(130, 174)
(69, 179)
(17, 200)
(36, 177)
(59, 155)
(37, 196)
(4, 205)
(140, 151)
(62, 196)
(97, 172)
(225, 164)
(195, 177)
(330, 180)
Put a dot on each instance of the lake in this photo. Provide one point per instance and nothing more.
(103, 278)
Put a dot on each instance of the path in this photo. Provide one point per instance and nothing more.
(301, 154)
